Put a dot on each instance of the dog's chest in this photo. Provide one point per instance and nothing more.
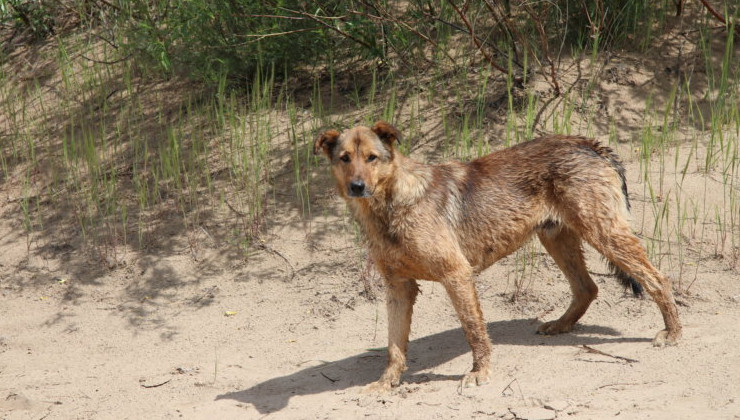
(402, 245)
(395, 260)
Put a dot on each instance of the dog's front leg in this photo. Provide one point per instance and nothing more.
(401, 295)
(461, 289)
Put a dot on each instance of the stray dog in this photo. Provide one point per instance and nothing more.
(448, 222)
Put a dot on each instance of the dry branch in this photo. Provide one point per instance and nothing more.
(471, 31)
(719, 16)
(590, 349)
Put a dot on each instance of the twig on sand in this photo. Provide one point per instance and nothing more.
(156, 385)
(331, 379)
(630, 384)
(595, 351)
(511, 390)
(273, 251)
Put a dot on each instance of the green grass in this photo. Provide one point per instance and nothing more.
(120, 155)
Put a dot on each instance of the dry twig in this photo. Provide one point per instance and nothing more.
(718, 15)
(595, 351)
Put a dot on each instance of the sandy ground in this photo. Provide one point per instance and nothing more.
(290, 332)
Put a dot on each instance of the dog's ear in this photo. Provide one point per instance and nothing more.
(326, 142)
(387, 133)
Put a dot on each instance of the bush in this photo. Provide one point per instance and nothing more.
(233, 39)
(37, 17)
(210, 39)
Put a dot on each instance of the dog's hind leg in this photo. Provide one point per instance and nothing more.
(564, 245)
(401, 296)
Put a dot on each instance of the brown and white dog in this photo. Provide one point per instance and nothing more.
(447, 222)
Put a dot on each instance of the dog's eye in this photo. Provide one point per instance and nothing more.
(344, 158)
(371, 158)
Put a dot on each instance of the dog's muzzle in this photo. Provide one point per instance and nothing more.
(357, 189)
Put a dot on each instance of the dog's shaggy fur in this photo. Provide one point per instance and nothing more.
(447, 222)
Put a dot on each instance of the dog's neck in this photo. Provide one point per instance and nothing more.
(409, 183)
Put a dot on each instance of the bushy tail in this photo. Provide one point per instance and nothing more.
(611, 156)
(626, 280)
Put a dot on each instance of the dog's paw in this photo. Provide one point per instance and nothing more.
(477, 378)
(666, 338)
(554, 327)
(379, 387)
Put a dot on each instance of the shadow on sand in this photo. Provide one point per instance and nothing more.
(424, 353)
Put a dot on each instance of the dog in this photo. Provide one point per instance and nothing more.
(448, 222)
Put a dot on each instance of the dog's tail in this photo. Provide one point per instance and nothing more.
(616, 163)
(626, 280)
(611, 156)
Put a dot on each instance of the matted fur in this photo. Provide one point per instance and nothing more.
(447, 222)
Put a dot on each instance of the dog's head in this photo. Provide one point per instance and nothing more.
(361, 158)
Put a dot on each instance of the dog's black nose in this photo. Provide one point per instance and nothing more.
(356, 188)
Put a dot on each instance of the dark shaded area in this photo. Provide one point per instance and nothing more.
(424, 353)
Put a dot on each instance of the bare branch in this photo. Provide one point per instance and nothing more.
(332, 27)
(386, 16)
(545, 46)
(478, 44)
(718, 15)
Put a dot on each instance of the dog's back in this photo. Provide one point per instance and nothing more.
(496, 203)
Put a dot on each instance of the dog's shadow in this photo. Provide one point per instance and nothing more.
(424, 353)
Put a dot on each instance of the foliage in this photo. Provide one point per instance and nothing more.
(210, 40)
(35, 16)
